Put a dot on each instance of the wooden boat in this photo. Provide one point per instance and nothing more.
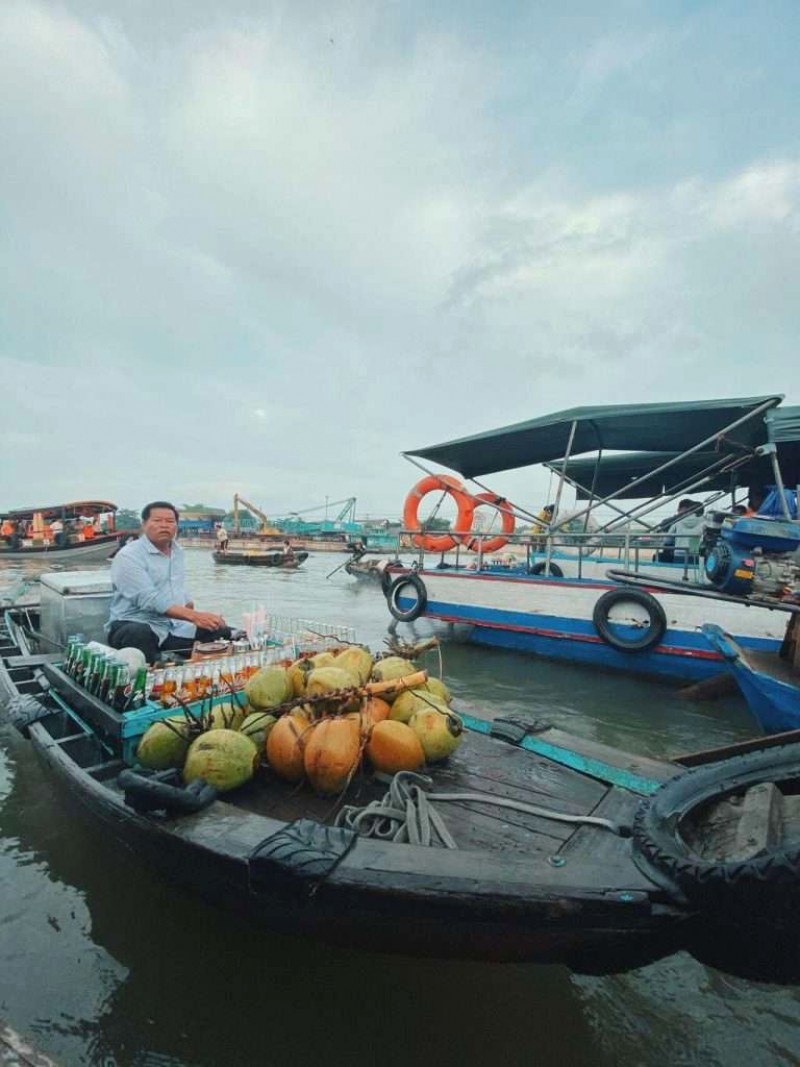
(567, 851)
(378, 571)
(769, 682)
(84, 533)
(277, 557)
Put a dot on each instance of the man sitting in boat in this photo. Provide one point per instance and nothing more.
(688, 531)
(150, 608)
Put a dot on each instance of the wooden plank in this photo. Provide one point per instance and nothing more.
(739, 828)
(738, 748)
(608, 854)
(761, 823)
(17, 1051)
(15, 662)
(641, 766)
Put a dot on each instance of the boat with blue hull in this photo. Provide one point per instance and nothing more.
(613, 593)
(769, 683)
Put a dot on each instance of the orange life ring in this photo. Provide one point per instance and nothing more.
(492, 544)
(432, 484)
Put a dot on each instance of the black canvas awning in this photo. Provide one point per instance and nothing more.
(673, 427)
(612, 473)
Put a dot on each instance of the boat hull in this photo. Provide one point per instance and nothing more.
(261, 559)
(95, 551)
(554, 618)
(772, 694)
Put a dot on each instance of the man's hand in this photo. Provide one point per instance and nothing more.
(206, 620)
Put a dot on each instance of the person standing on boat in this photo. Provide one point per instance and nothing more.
(150, 608)
(222, 537)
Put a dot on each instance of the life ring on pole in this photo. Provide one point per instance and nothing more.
(651, 630)
(432, 484)
(413, 585)
(492, 544)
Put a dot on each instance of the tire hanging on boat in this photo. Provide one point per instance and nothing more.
(463, 524)
(551, 571)
(506, 510)
(649, 638)
(768, 879)
(395, 591)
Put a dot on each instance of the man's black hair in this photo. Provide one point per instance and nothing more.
(685, 504)
(158, 504)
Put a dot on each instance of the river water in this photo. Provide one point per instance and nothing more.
(102, 964)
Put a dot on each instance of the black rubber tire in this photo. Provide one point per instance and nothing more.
(771, 879)
(386, 582)
(648, 639)
(153, 792)
(555, 570)
(422, 597)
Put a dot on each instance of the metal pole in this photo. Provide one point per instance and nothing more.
(549, 548)
(689, 451)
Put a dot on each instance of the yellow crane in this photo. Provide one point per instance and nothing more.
(264, 530)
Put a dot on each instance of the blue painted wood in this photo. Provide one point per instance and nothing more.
(775, 703)
(567, 758)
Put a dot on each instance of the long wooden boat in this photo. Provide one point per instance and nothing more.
(82, 531)
(567, 851)
(278, 557)
(768, 682)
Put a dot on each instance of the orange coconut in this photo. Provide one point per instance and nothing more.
(332, 754)
(394, 747)
(285, 746)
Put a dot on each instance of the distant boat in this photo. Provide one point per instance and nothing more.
(82, 531)
(769, 683)
(277, 557)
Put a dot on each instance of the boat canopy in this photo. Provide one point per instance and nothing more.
(73, 510)
(600, 477)
(674, 427)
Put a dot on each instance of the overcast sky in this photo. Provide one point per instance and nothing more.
(264, 247)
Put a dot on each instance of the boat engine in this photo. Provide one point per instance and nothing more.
(754, 556)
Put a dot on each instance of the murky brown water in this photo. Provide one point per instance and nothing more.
(101, 963)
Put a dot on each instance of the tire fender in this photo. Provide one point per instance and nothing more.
(396, 588)
(648, 639)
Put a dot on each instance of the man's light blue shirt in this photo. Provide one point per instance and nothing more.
(146, 583)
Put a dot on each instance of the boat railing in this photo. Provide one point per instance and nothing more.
(583, 553)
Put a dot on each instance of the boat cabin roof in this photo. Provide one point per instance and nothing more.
(667, 427)
(602, 476)
(72, 510)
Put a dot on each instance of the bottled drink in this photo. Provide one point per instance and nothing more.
(202, 681)
(157, 685)
(123, 687)
(107, 679)
(95, 673)
(75, 643)
(169, 686)
(138, 697)
(187, 690)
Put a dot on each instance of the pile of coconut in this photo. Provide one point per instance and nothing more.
(318, 720)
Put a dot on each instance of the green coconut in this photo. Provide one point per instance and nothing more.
(439, 733)
(357, 660)
(298, 674)
(321, 659)
(328, 680)
(228, 716)
(409, 702)
(439, 690)
(257, 726)
(164, 744)
(391, 669)
(225, 759)
(267, 688)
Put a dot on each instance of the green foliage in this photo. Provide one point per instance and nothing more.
(128, 520)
